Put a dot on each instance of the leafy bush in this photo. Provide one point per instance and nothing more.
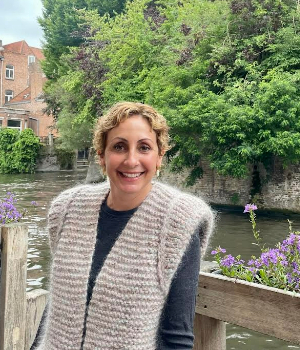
(26, 151)
(65, 158)
(8, 138)
(18, 151)
(277, 267)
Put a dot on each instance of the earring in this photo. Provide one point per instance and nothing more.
(157, 172)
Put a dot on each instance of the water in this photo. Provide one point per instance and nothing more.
(233, 233)
(42, 188)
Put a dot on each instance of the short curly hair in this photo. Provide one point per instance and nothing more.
(123, 110)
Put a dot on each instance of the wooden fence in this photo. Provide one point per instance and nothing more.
(20, 312)
(219, 300)
(264, 309)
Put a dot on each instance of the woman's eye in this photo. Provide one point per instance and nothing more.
(119, 147)
(145, 148)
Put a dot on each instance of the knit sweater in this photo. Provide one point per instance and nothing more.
(132, 286)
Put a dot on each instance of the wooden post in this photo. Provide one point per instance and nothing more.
(36, 302)
(210, 333)
(13, 286)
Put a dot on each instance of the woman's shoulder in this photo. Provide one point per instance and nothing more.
(190, 213)
(183, 199)
(79, 191)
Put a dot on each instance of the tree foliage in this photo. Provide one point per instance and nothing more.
(18, 151)
(225, 73)
(64, 28)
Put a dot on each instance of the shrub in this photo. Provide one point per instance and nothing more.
(26, 151)
(65, 158)
(8, 138)
(18, 151)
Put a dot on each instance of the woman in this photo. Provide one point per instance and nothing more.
(125, 252)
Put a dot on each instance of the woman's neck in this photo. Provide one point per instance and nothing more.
(126, 201)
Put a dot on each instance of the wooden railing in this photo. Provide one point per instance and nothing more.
(267, 310)
(20, 312)
(220, 300)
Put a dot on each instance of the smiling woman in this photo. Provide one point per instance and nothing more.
(130, 154)
(126, 253)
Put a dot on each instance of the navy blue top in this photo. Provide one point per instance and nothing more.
(176, 324)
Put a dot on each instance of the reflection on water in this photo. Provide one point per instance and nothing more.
(233, 233)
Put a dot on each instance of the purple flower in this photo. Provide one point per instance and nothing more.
(228, 261)
(240, 262)
(218, 250)
(258, 263)
(290, 239)
(8, 211)
(33, 203)
(250, 207)
(289, 278)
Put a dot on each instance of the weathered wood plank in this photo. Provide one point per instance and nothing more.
(260, 308)
(36, 302)
(210, 334)
(13, 287)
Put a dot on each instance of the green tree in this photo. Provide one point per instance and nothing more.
(224, 73)
(8, 137)
(64, 28)
(26, 151)
(18, 151)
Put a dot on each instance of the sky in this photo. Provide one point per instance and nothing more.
(18, 21)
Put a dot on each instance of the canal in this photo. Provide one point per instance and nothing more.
(233, 233)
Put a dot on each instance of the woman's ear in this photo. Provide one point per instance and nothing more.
(159, 160)
(101, 159)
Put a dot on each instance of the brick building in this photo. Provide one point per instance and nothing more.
(21, 89)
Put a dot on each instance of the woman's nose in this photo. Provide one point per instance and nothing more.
(132, 158)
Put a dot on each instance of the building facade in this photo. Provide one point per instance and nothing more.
(21, 89)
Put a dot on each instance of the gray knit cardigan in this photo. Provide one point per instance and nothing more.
(133, 284)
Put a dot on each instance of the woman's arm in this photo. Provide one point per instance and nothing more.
(176, 326)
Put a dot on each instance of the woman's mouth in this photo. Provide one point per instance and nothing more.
(130, 175)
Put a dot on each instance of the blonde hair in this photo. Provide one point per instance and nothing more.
(123, 110)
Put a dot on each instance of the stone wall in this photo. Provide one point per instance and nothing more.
(212, 187)
(281, 190)
(280, 187)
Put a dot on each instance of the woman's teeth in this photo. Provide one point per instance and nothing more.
(131, 175)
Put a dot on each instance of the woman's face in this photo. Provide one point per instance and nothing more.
(131, 157)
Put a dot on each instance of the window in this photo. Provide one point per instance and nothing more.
(31, 59)
(0, 123)
(9, 73)
(14, 124)
(9, 94)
